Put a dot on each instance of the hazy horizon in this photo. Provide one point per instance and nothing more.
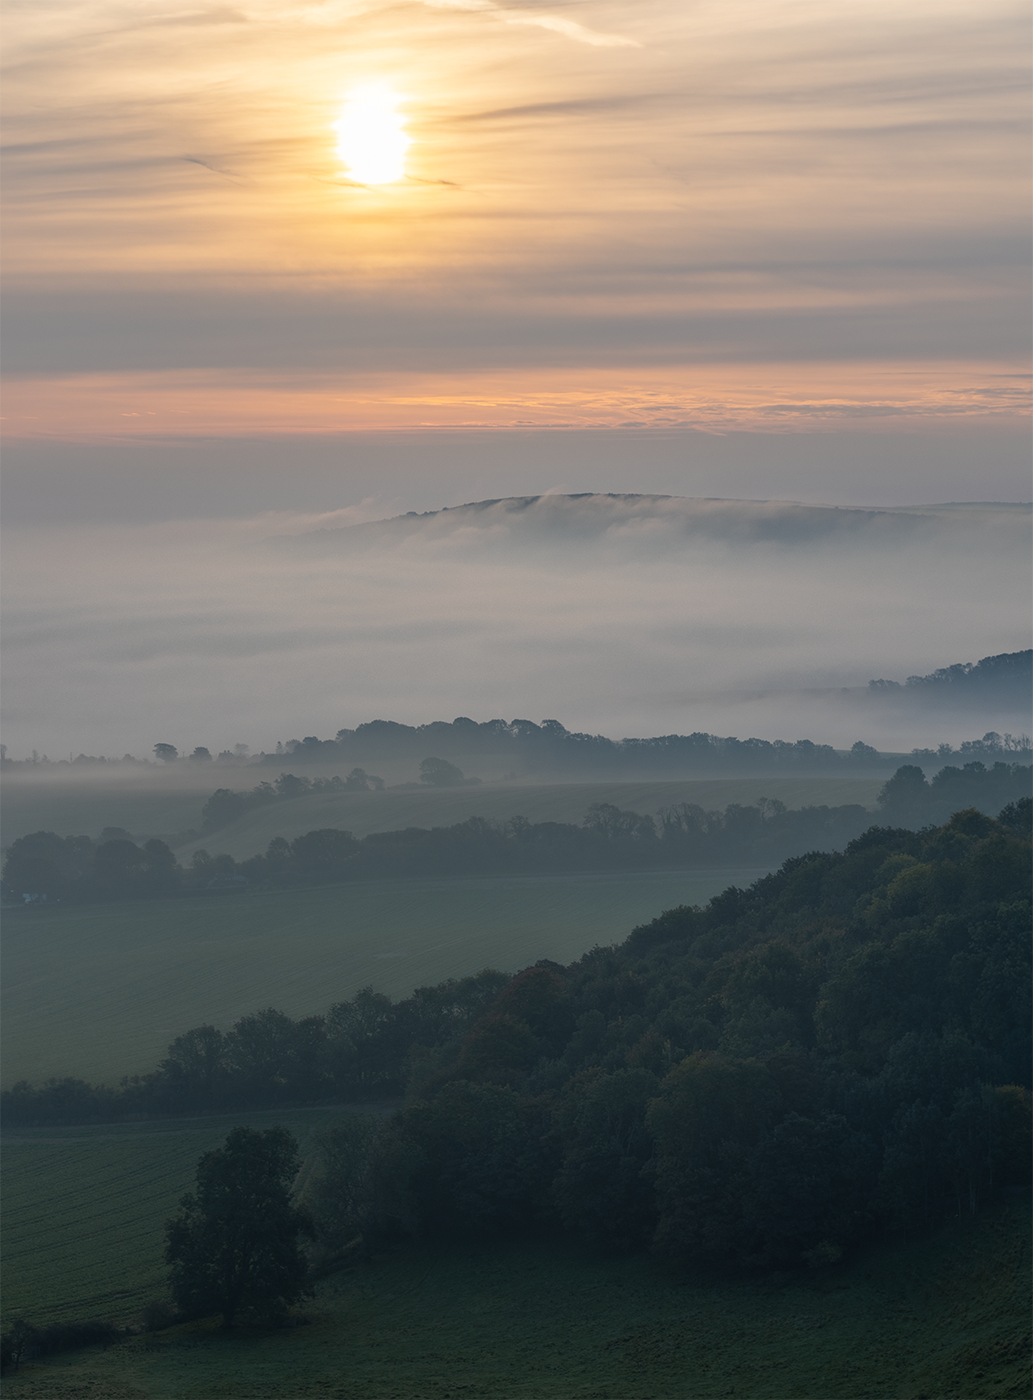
(621, 614)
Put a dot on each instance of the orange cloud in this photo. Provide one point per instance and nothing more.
(713, 398)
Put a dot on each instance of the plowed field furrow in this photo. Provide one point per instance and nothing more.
(83, 1227)
(106, 1187)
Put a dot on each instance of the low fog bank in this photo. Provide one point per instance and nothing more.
(621, 615)
(623, 520)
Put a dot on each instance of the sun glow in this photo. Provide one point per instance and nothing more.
(371, 136)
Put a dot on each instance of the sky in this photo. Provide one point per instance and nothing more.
(757, 251)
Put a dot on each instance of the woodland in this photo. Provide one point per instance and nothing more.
(838, 1051)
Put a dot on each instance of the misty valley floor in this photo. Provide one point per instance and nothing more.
(944, 1318)
(99, 990)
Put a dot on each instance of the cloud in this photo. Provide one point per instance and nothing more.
(749, 183)
(709, 397)
(568, 28)
(576, 107)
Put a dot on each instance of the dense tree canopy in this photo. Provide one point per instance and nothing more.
(908, 800)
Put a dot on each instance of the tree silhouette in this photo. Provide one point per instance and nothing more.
(438, 772)
(234, 1248)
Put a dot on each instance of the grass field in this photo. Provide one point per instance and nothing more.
(943, 1317)
(99, 991)
(84, 1208)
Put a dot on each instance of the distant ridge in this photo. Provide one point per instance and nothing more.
(628, 518)
(1007, 677)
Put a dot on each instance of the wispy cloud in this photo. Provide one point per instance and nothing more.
(568, 28)
(716, 397)
(732, 182)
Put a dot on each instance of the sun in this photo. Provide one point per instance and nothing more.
(371, 136)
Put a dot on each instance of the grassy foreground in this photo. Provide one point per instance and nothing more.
(98, 991)
(945, 1318)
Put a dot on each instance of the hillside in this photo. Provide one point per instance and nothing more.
(858, 1019)
(777, 1145)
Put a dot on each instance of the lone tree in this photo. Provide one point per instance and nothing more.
(234, 1249)
(438, 772)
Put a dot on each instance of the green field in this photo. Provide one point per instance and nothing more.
(84, 1208)
(98, 991)
(947, 1316)
(362, 812)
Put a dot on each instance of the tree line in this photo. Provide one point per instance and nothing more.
(1007, 677)
(44, 864)
(225, 805)
(908, 799)
(840, 1049)
(685, 835)
(681, 836)
(549, 746)
(608, 838)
